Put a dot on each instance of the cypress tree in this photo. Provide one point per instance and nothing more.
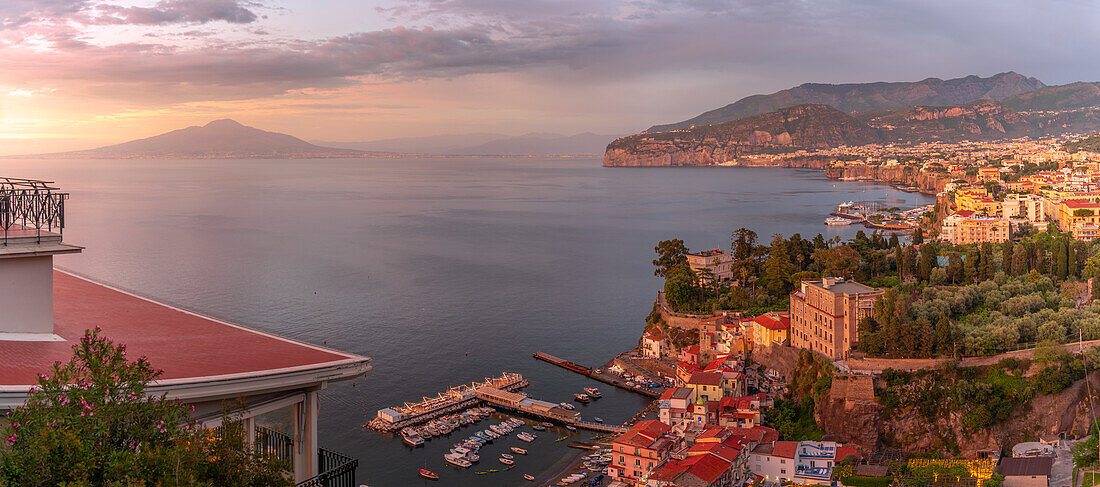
(987, 261)
(1019, 261)
(1006, 257)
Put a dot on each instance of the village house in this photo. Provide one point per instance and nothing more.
(644, 446)
(772, 328)
(717, 262)
(805, 462)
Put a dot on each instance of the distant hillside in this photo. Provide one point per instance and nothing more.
(1063, 97)
(1090, 144)
(862, 97)
(220, 139)
(489, 144)
(824, 127)
(784, 130)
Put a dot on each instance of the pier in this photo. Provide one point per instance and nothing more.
(454, 399)
(520, 403)
(605, 378)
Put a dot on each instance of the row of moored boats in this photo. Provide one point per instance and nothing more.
(465, 453)
(443, 426)
(590, 393)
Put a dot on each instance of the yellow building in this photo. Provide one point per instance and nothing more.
(978, 201)
(1073, 213)
(961, 228)
(987, 174)
(771, 328)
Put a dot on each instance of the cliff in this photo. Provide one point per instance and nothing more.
(983, 120)
(869, 425)
(781, 131)
(928, 182)
(863, 97)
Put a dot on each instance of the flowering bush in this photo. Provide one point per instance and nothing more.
(89, 422)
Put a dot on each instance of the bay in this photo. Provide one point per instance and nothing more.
(442, 270)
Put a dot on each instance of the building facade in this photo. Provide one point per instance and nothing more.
(825, 315)
(718, 262)
(961, 229)
(637, 452)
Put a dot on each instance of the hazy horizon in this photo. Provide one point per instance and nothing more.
(82, 74)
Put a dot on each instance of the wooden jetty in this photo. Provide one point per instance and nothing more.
(520, 403)
(454, 399)
(580, 369)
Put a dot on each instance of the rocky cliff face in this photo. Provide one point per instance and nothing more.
(904, 175)
(786, 130)
(862, 97)
(868, 425)
(984, 120)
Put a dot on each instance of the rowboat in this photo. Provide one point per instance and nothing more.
(428, 474)
(519, 451)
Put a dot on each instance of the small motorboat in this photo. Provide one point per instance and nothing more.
(597, 419)
(548, 424)
(834, 221)
(525, 436)
(457, 461)
(472, 458)
(529, 477)
(507, 461)
(505, 455)
(538, 427)
(581, 398)
(428, 474)
(518, 451)
(571, 428)
(593, 392)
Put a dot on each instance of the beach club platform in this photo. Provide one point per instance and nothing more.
(207, 363)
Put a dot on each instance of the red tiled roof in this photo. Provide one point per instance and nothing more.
(1081, 204)
(772, 323)
(965, 213)
(706, 378)
(709, 468)
(785, 449)
(183, 344)
(644, 434)
(844, 451)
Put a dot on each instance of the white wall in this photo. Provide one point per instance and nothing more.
(26, 295)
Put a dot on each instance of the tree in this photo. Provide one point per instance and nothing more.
(927, 260)
(918, 236)
(1019, 261)
(743, 242)
(954, 267)
(671, 254)
(894, 241)
(986, 269)
(970, 265)
(680, 289)
(908, 256)
(1058, 253)
(1006, 257)
(778, 267)
(89, 422)
(944, 336)
(840, 261)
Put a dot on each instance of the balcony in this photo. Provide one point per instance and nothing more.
(29, 207)
(337, 470)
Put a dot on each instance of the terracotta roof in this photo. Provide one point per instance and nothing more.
(645, 434)
(785, 449)
(677, 393)
(706, 378)
(773, 322)
(844, 451)
(184, 344)
(1081, 204)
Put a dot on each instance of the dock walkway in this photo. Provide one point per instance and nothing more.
(454, 399)
(605, 378)
(520, 403)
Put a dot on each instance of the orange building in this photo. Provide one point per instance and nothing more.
(635, 453)
(825, 315)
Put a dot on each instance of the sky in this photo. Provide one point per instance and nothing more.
(77, 74)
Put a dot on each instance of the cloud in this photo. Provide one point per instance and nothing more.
(178, 11)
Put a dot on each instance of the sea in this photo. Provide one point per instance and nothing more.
(442, 270)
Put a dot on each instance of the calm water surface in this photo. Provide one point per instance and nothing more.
(441, 270)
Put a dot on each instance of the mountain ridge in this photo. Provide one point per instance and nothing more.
(863, 97)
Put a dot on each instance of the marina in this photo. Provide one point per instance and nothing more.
(456, 398)
(870, 215)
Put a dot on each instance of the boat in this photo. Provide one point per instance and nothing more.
(566, 405)
(490, 434)
(582, 398)
(529, 477)
(836, 220)
(525, 436)
(506, 461)
(597, 419)
(428, 474)
(548, 424)
(411, 438)
(472, 457)
(571, 428)
(538, 427)
(519, 451)
(593, 392)
(497, 429)
(457, 460)
(505, 455)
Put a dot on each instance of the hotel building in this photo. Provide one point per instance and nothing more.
(825, 315)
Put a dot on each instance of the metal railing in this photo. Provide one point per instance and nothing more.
(31, 204)
(337, 470)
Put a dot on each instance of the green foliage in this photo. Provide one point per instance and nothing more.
(1084, 453)
(671, 255)
(89, 422)
(794, 420)
(1090, 144)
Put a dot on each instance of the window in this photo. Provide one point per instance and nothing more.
(637, 462)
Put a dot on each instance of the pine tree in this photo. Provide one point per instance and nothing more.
(1019, 261)
(897, 261)
(954, 267)
(1058, 253)
(944, 340)
(1006, 257)
(970, 265)
(987, 261)
(927, 260)
(918, 236)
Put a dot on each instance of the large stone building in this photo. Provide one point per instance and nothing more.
(718, 262)
(825, 315)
